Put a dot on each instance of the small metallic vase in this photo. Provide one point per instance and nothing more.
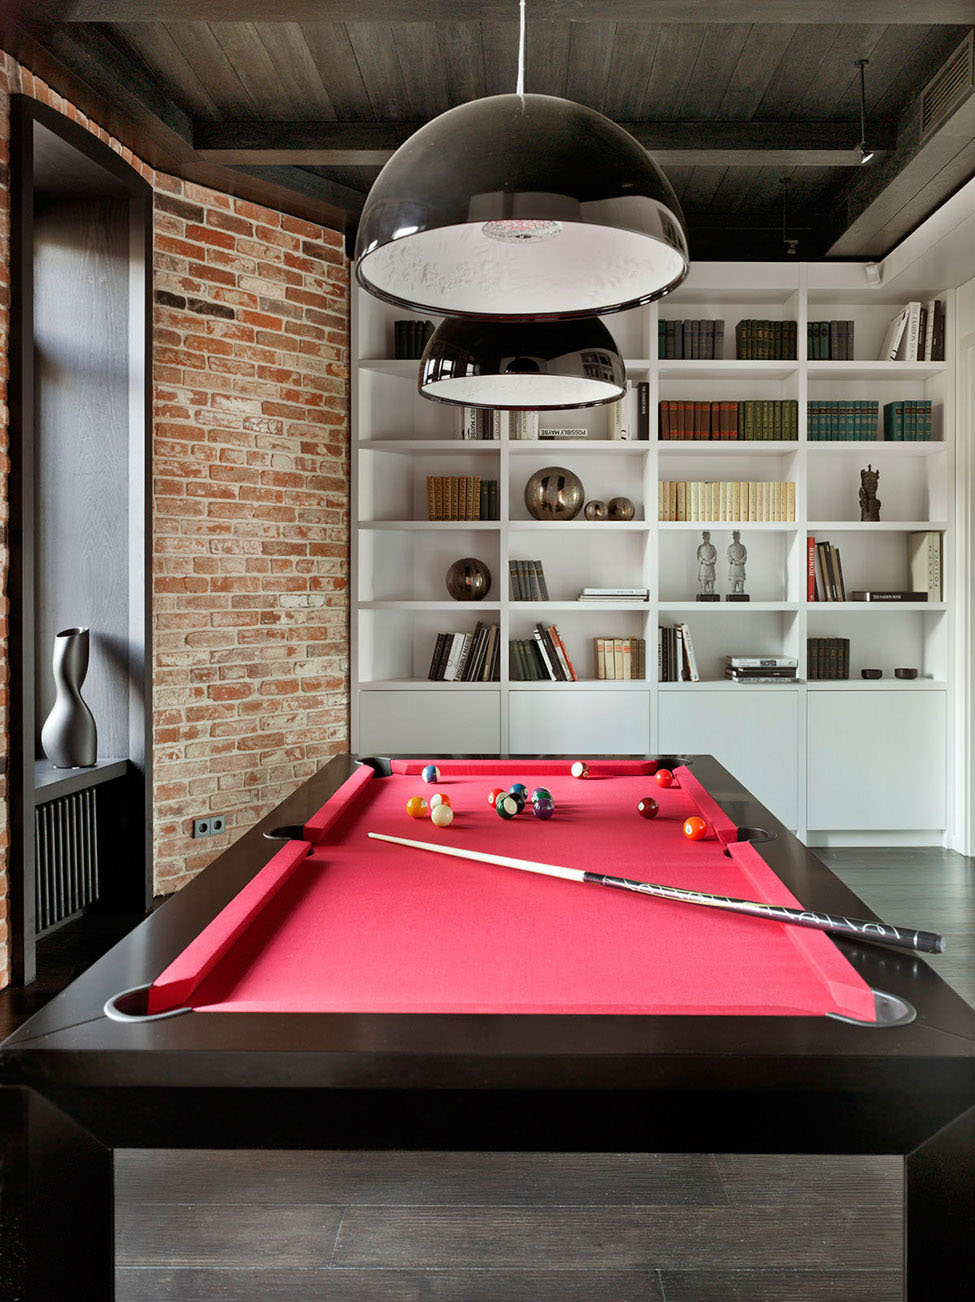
(69, 737)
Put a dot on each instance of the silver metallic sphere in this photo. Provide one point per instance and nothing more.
(595, 510)
(621, 508)
(554, 493)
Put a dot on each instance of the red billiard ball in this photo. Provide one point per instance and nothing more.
(493, 796)
(648, 807)
(695, 829)
(664, 778)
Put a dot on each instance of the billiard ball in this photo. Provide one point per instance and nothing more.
(541, 793)
(695, 829)
(431, 773)
(507, 806)
(543, 808)
(648, 807)
(416, 807)
(664, 778)
(493, 796)
(439, 799)
(519, 799)
(441, 816)
(580, 769)
(518, 789)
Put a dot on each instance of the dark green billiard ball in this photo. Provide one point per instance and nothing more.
(507, 806)
(541, 793)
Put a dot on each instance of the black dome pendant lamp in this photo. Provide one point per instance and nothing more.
(533, 366)
(521, 207)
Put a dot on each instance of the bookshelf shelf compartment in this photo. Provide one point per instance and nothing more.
(579, 526)
(909, 448)
(625, 447)
(726, 369)
(725, 447)
(764, 526)
(867, 370)
(451, 606)
(426, 447)
(424, 685)
(876, 607)
(876, 526)
(726, 607)
(432, 526)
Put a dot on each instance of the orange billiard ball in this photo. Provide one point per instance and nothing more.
(695, 829)
(664, 778)
(439, 799)
(416, 807)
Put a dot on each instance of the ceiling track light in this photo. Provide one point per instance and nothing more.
(522, 366)
(521, 207)
(863, 149)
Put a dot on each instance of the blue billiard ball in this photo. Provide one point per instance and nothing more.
(518, 789)
(431, 773)
(543, 808)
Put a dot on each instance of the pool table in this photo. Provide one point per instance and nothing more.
(317, 989)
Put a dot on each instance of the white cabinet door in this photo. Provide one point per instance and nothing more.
(583, 723)
(429, 723)
(753, 732)
(876, 760)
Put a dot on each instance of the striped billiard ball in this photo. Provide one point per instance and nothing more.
(580, 769)
(430, 773)
(541, 793)
(439, 799)
(507, 806)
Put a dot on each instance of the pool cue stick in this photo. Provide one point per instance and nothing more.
(927, 942)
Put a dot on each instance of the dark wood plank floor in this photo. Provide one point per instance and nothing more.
(394, 1227)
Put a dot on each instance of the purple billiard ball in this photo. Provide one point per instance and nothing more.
(543, 808)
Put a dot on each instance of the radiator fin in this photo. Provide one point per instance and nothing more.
(66, 878)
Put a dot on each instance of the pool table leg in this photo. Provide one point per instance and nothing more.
(939, 1212)
(57, 1215)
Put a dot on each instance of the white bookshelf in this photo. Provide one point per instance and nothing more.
(780, 740)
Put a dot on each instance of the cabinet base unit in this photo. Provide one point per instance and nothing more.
(606, 722)
(435, 722)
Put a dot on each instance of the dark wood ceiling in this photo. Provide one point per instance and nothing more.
(752, 121)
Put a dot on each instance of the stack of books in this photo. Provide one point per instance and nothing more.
(676, 661)
(461, 497)
(478, 423)
(829, 341)
(466, 657)
(908, 422)
(691, 340)
(410, 338)
(753, 501)
(764, 341)
(522, 425)
(761, 669)
(924, 564)
(843, 418)
(541, 657)
(916, 334)
(527, 581)
(771, 419)
(620, 657)
(597, 595)
(828, 658)
(824, 572)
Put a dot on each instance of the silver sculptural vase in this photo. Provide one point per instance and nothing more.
(69, 737)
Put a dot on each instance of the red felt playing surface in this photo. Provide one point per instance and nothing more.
(362, 926)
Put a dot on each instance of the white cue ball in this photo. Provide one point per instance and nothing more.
(580, 769)
(441, 815)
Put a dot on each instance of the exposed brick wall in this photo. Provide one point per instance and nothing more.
(250, 496)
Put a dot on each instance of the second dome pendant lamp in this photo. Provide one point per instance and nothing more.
(521, 207)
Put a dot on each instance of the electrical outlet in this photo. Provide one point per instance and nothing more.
(212, 826)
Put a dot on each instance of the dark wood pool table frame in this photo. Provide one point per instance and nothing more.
(76, 1085)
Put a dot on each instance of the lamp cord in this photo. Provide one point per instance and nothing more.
(521, 50)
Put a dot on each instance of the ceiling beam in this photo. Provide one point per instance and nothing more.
(674, 144)
(638, 11)
(310, 185)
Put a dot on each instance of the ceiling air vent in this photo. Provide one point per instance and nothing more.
(947, 88)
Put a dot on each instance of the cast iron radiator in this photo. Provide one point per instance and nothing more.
(65, 857)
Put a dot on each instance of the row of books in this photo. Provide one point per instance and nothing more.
(676, 661)
(925, 564)
(761, 669)
(827, 658)
(908, 421)
(466, 657)
(824, 577)
(747, 501)
(620, 657)
(527, 581)
(595, 596)
(842, 418)
(916, 333)
(462, 497)
(478, 423)
(693, 340)
(541, 658)
(829, 341)
(410, 338)
(763, 341)
(762, 419)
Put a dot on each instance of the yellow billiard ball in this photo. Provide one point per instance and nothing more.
(416, 807)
